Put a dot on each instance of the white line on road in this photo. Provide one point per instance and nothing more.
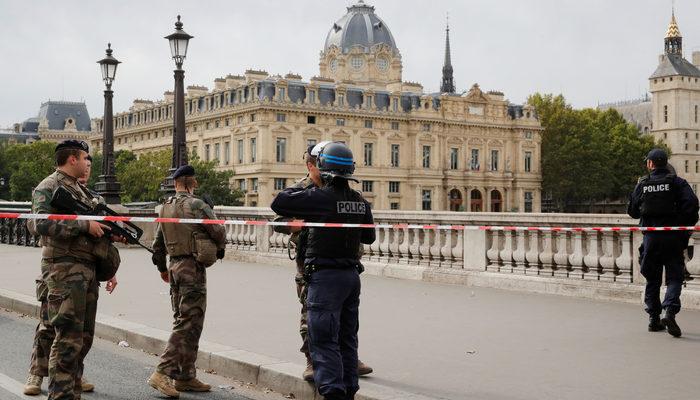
(15, 388)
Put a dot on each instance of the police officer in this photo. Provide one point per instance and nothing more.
(69, 256)
(332, 266)
(192, 248)
(44, 335)
(663, 199)
(299, 236)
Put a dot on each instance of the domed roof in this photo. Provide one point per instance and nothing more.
(359, 27)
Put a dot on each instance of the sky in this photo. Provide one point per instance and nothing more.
(591, 51)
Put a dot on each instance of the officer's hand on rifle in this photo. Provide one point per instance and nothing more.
(120, 239)
(164, 277)
(97, 229)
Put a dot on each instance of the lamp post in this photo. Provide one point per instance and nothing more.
(107, 186)
(179, 41)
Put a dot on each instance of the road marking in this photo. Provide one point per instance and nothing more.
(16, 388)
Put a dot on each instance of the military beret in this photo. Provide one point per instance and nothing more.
(658, 156)
(73, 144)
(185, 170)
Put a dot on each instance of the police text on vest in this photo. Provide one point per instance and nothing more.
(351, 207)
(664, 187)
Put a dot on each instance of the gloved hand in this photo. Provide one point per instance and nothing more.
(220, 254)
(159, 261)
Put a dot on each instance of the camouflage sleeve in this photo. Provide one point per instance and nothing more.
(159, 251)
(216, 232)
(41, 204)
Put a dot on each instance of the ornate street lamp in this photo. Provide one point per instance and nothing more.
(179, 41)
(107, 186)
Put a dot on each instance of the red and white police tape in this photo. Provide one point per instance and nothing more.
(110, 218)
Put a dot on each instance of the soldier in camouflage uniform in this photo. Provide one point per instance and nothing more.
(68, 265)
(44, 336)
(187, 277)
(298, 236)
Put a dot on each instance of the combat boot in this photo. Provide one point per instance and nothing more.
(33, 386)
(308, 374)
(86, 386)
(655, 324)
(669, 320)
(192, 385)
(363, 369)
(163, 384)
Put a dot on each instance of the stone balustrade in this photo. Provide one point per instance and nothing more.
(584, 256)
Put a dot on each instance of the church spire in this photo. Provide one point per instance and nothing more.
(447, 85)
(673, 42)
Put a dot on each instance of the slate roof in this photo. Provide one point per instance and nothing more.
(56, 112)
(675, 65)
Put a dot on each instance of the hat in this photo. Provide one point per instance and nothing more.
(317, 148)
(658, 157)
(185, 170)
(73, 144)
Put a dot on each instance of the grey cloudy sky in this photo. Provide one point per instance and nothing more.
(590, 50)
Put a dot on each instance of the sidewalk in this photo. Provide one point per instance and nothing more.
(442, 341)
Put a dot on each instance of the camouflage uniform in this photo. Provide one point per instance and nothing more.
(68, 269)
(188, 291)
(299, 240)
(45, 334)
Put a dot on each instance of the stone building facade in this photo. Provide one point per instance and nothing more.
(57, 121)
(472, 151)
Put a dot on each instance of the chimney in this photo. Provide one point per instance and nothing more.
(169, 96)
(17, 128)
(696, 58)
(234, 80)
(196, 91)
(219, 84)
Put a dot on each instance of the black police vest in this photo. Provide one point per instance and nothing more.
(330, 243)
(658, 197)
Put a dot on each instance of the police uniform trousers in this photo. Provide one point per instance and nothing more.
(188, 294)
(333, 320)
(659, 250)
(68, 323)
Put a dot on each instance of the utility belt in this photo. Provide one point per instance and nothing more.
(311, 268)
(181, 257)
(69, 259)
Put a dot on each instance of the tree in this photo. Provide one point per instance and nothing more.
(215, 184)
(25, 165)
(141, 177)
(588, 155)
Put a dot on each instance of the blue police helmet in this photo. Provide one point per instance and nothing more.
(335, 159)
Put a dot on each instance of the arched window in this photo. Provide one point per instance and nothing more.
(496, 201)
(477, 203)
(455, 200)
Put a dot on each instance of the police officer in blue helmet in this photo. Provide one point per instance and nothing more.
(332, 265)
(663, 199)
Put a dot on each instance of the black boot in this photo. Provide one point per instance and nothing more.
(669, 320)
(655, 324)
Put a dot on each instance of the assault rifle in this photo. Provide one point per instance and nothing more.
(65, 203)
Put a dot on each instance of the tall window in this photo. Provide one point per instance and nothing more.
(474, 162)
(686, 166)
(528, 161)
(696, 114)
(426, 199)
(368, 102)
(240, 151)
(227, 153)
(368, 186)
(369, 150)
(341, 100)
(281, 117)
(394, 126)
(253, 149)
(242, 185)
(206, 152)
(254, 185)
(665, 113)
(395, 155)
(280, 183)
(217, 152)
(528, 202)
(312, 96)
(494, 160)
(282, 94)
(281, 150)
(340, 122)
(697, 166)
(395, 105)
(368, 123)
(454, 158)
(394, 187)
(426, 156)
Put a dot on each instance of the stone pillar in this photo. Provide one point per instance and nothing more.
(475, 250)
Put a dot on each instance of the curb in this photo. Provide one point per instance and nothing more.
(281, 376)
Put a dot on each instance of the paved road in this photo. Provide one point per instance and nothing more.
(447, 341)
(117, 372)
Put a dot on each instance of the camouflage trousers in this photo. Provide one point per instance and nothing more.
(67, 328)
(302, 291)
(188, 294)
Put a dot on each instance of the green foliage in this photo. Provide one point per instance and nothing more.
(588, 155)
(215, 184)
(96, 170)
(141, 177)
(24, 166)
